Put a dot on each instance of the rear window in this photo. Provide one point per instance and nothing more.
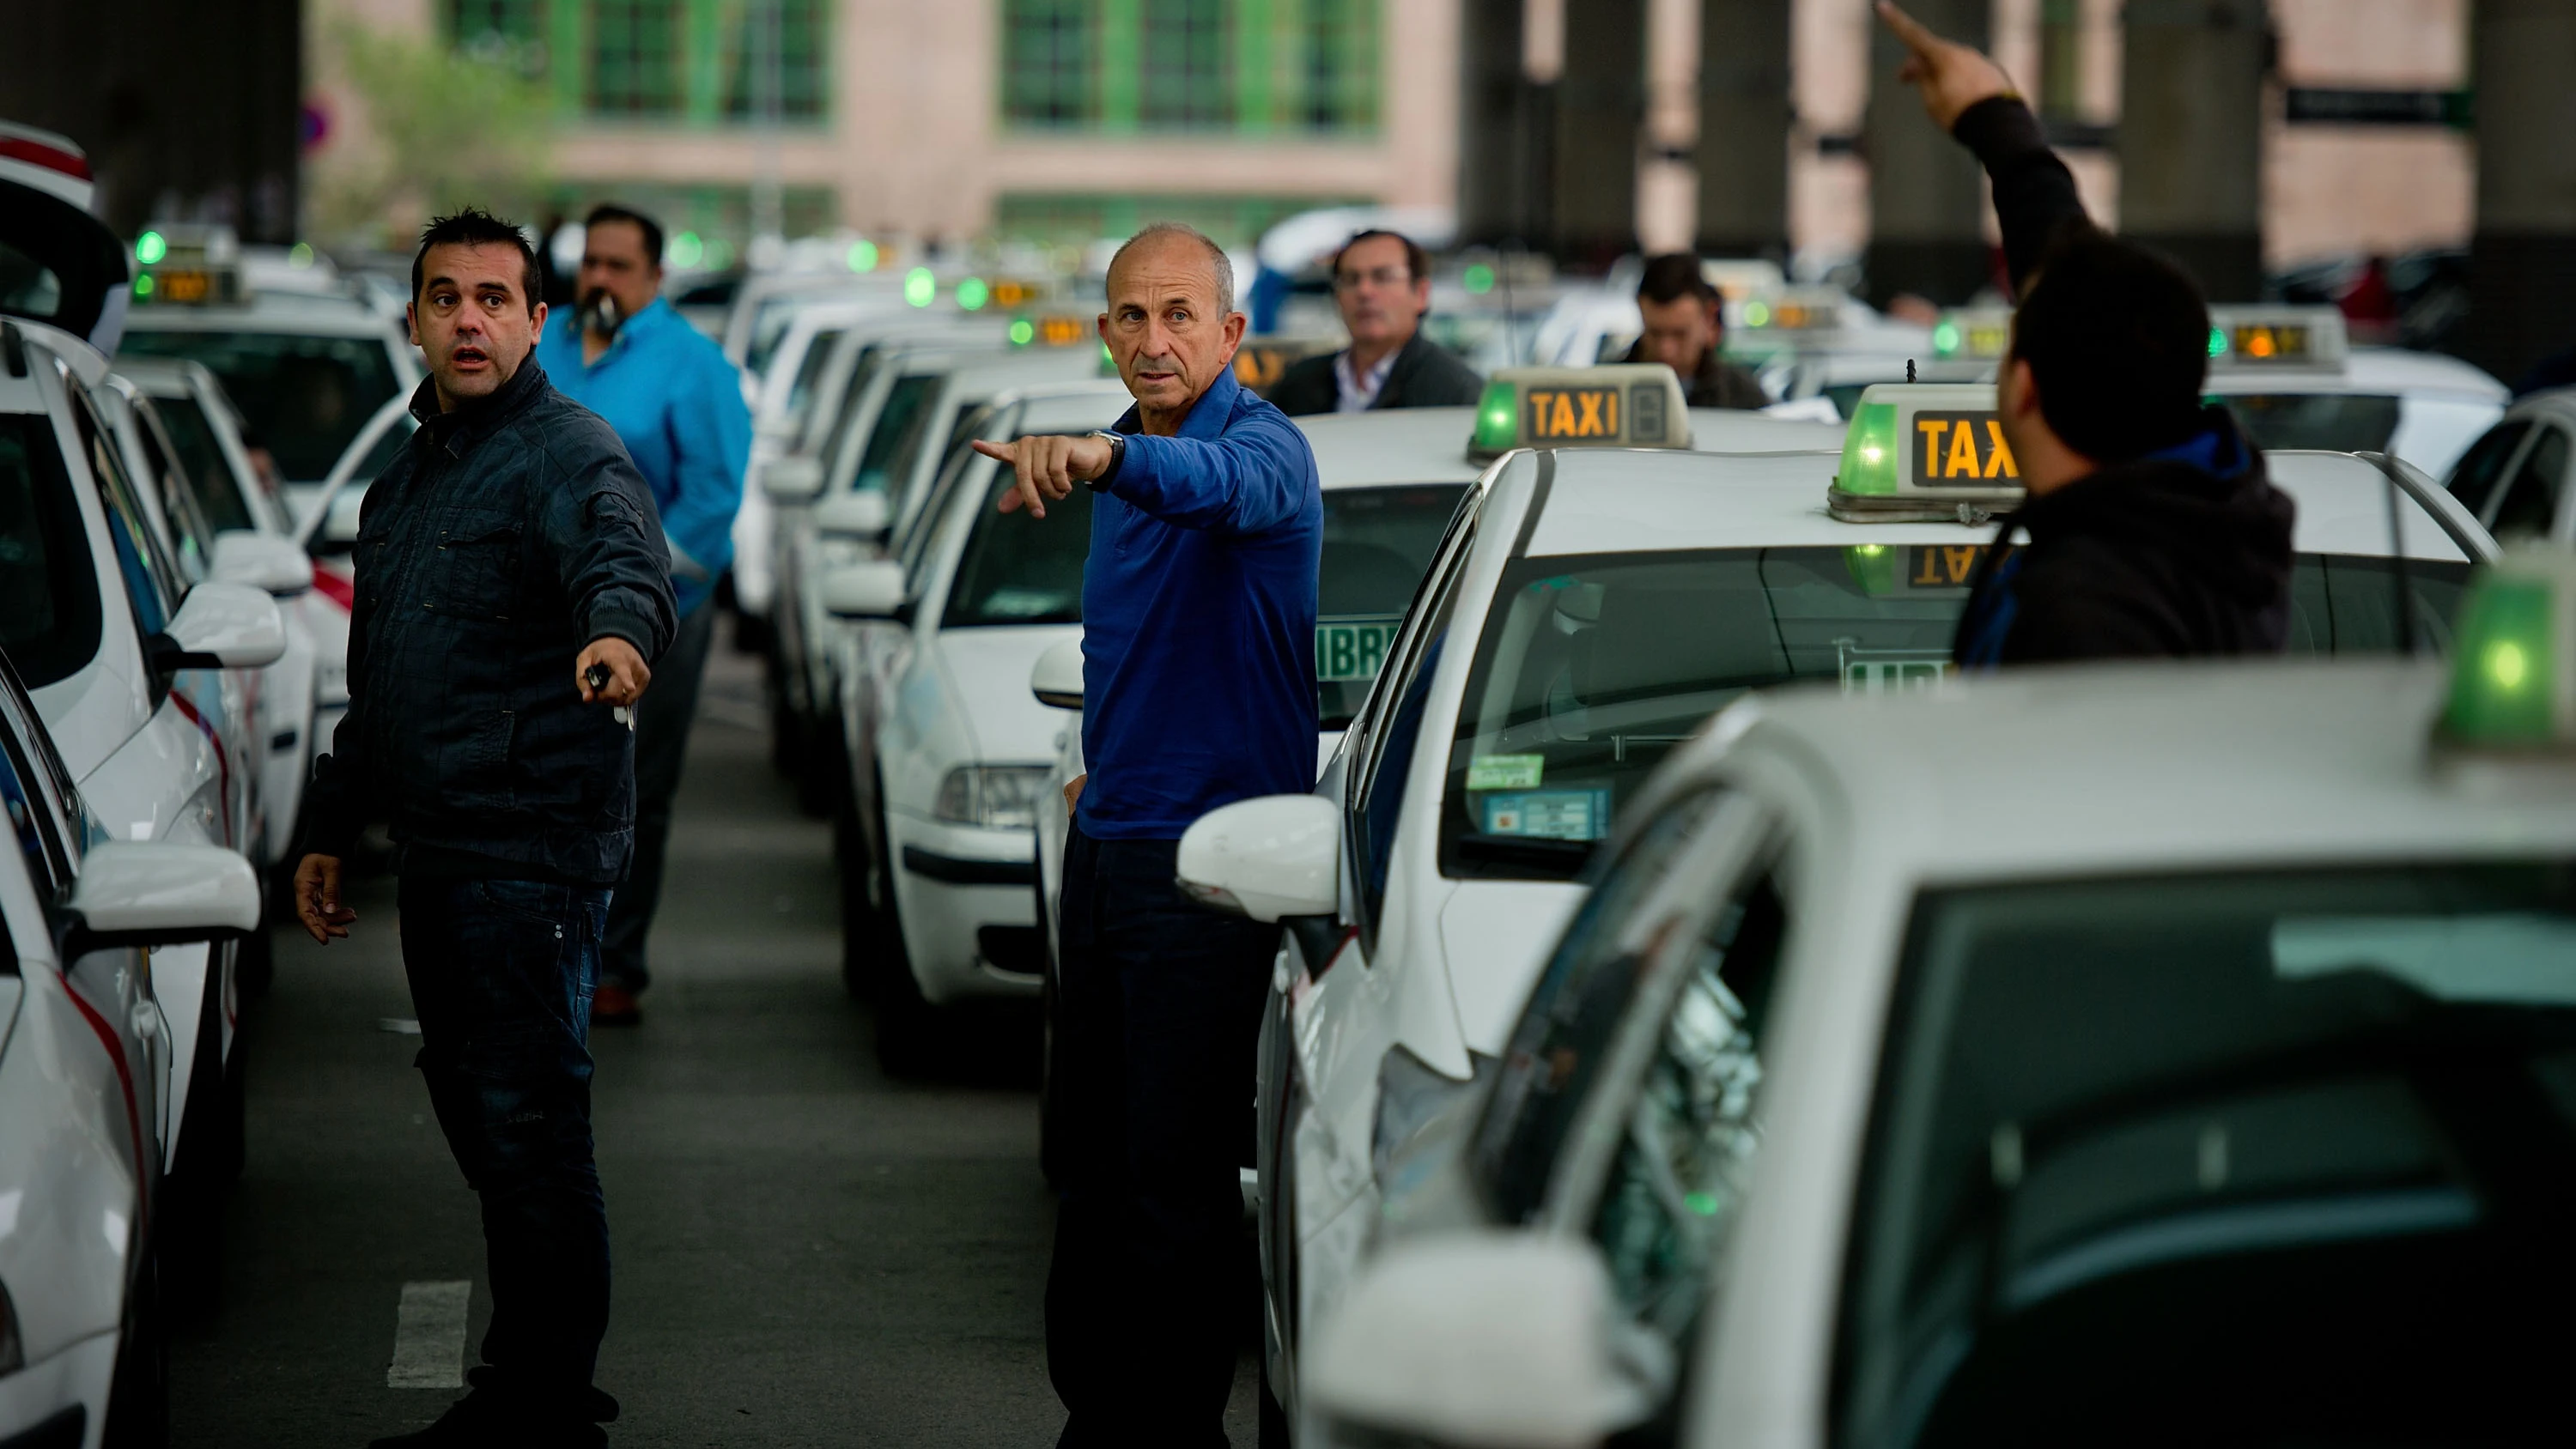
(302, 398)
(2337, 422)
(49, 614)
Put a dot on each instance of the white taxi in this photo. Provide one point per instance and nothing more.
(1880, 1097)
(945, 749)
(1586, 612)
(2520, 478)
(86, 1088)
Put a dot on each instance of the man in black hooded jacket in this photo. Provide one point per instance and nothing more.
(2154, 530)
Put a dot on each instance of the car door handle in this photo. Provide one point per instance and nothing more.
(147, 1020)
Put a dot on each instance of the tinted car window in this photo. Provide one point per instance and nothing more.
(899, 423)
(302, 398)
(49, 607)
(151, 576)
(2339, 422)
(2530, 503)
(2479, 468)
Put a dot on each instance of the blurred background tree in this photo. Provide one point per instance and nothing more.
(441, 128)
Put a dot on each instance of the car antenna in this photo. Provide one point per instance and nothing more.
(1909, 369)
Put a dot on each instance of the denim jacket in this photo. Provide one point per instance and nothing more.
(503, 540)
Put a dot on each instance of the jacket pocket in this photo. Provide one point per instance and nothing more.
(477, 773)
(474, 569)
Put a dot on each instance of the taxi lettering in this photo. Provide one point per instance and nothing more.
(1944, 566)
(1573, 412)
(1958, 449)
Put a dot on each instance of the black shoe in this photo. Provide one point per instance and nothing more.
(485, 1419)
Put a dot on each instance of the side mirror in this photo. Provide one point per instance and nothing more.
(263, 561)
(221, 626)
(1484, 1338)
(863, 514)
(1056, 679)
(792, 479)
(868, 589)
(156, 893)
(1270, 858)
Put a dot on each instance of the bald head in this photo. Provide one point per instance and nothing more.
(1168, 241)
(1171, 325)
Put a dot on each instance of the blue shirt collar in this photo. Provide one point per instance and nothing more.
(637, 330)
(1207, 417)
(2217, 449)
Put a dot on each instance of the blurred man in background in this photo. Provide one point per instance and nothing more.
(1685, 322)
(677, 405)
(1382, 283)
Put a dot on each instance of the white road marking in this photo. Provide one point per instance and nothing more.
(429, 1337)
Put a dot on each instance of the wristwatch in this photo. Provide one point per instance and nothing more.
(1117, 442)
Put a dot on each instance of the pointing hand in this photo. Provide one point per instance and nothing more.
(1048, 467)
(1951, 77)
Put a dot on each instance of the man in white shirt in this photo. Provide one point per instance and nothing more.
(1382, 283)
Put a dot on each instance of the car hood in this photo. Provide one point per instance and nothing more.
(1496, 935)
(988, 671)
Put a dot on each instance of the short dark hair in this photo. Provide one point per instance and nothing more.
(2117, 338)
(474, 227)
(1417, 262)
(611, 211)
(1673, 276)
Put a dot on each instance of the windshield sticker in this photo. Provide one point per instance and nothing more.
(1891, 671)
(1353, 647)
(1505, 772)
(1549, 814)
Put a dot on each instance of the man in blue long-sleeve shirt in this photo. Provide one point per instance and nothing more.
(1198, 612)
(677, 405)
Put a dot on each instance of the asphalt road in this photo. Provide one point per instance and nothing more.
(807, 1252)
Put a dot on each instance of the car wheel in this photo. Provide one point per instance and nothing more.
(787, 737)
(138, 1397)
(818, 776)
(907, 1024)
(190, 1239)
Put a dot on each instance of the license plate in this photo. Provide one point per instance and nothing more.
(1558, 414)
(1353, 648)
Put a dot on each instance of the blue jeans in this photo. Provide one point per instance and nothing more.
(1158, 1015)
(502, 973)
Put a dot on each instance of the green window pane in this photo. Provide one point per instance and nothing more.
(505, 30)
(635, 60)
(1184, 80)
(804, 58)
(1341, 65)
(1050, 64)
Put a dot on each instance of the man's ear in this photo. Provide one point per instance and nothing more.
(2016, 390)
(411, 321)
(1235, 322)
(538, 333)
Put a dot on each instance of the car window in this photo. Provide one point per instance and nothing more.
(899, 423)
(2338, 422)
(172, 488)
(809, 371)
(208, 472)
(2208, 1132)
(303, 398)
(845, 415)
(1581, 995)
(1018, 569)
(1377, 542)
(1379, 796)
(2530, 504)
(151, 576)
(32, 819)
(2474, 478)
(49, 604)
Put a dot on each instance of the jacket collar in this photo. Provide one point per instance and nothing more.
(474, 422)
(1207, 417)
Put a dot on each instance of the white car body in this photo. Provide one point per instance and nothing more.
(782, 402)
(1859, 811)
(2520, 477)
(1427, 983)
(931, 693)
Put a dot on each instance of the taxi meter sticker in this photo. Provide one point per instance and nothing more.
(1961, 449)
(1353, 648)
(1549, 814)
(1505, 772)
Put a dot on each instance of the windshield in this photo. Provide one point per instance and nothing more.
(1018, 569)
(302, 398)
(1592, 668)
(899, 423)
(2337, 422)
(210, 478)
(1377, 542)
(2300, 1140)
(49, 618)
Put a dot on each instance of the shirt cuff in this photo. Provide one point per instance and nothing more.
(619, 624)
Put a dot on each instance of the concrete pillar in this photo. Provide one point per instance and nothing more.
(2522, 259)
(1499, 177)
(1927, 209)
(2191, 137)
(1599, 107)
(1744, 115)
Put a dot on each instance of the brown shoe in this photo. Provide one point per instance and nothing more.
(614, 1005)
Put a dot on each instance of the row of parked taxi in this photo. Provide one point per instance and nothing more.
(1703, 1017)
(171, 656)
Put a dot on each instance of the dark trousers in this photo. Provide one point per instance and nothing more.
(661, 742)
(501, 974)
(1158, 1012)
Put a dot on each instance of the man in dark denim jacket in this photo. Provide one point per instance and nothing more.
(507, 560)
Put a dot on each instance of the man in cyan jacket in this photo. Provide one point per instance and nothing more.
(2153, 527)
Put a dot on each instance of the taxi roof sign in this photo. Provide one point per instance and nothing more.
(2276, 338)
(2513, 670)
(1791, 309)
(189, 264)
(1617, 405)
(1051, 329)
(1965, 333)
(1924, 452)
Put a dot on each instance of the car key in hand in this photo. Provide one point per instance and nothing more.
(597, 678)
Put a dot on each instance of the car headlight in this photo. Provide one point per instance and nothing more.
(997, 797)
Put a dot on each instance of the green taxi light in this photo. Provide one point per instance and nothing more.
(2503, 679)
(862, 256)
(2217, 342)
(1479, 279)
(151, 247)
(688, 249)
(920, 288)
(973, 293)
(300, 255)
(1757, 314)
(143, 285)
(1870, 454)
(1945, 339)
(1498, 418)
(1023, 332)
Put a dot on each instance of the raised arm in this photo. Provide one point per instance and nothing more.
(1254, 478)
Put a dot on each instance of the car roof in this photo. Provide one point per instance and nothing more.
(1062, 406)
(306, 314)
(1612, 500)
(1429, 445)
(165, 376)
(2176, 765)
(2368, 370)
(2556, 402)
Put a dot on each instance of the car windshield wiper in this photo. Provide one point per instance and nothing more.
(1558, 859)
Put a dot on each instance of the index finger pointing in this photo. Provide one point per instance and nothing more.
(1908, 29)
(1007, 452)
